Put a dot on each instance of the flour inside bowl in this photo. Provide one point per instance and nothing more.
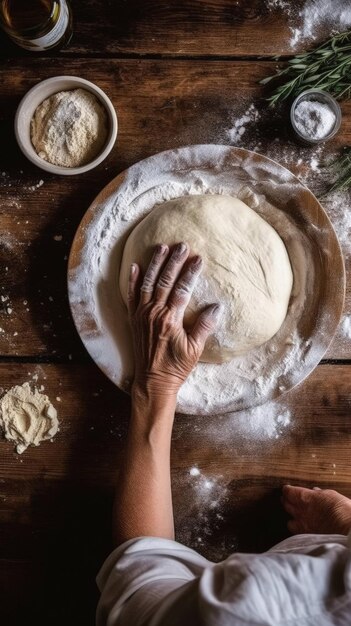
(69, 129)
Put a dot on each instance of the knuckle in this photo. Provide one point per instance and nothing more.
(330, 493)
(183, 288)
(206, 323)
(165, 280)
(147, 283)
(304, 497)
(205, 326)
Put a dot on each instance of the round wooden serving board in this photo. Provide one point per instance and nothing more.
(280, 198)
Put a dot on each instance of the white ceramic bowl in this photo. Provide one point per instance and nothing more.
(40, 92)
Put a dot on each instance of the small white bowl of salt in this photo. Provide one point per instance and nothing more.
(315, 116)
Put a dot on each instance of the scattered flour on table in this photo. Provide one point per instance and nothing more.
(285, 5)
(239, 125)
(345, 326)
(320, 18)
(36, 186)
(261, 424)
(304, 161)
(27, 417)
(310, 166)
(316, 19)
(338, 207)
(205, 500)
(267, 421)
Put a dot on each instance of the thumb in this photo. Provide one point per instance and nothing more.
(205, 324)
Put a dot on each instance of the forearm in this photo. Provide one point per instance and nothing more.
(143, 502)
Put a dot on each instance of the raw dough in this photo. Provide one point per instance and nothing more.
(246, 267)
(27, 417)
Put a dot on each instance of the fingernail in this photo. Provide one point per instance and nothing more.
(197, 261)
(181, 248)
(161, 248)
(132, 269)
(216, 310)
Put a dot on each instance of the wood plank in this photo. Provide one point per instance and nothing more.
(184, 28)
(56, 590)
(161, 105)
(94, 416)
(55, 500)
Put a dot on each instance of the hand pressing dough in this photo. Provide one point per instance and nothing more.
(27, 417)
(246, 267)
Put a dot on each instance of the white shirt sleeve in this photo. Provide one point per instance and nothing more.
(305, 580)
(152, 566)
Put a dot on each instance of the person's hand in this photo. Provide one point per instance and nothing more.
(317, 510)
(165, 353)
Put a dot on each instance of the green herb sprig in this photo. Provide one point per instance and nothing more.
(340, 169)
(327, 67)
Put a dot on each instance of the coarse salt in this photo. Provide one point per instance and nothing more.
(313, 119)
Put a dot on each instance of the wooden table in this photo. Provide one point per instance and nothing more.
(176, 76)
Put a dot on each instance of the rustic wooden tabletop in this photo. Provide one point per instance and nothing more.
(176, 75)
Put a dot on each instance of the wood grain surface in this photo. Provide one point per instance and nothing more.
(177, 73)
(56, 499)
(197, 28)
(160, 105)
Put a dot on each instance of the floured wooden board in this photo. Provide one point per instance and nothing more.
(278, 196)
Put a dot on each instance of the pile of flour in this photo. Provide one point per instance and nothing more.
(27, 417)
(69, 128)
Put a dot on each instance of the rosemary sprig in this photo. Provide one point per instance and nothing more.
(341, 169)
(327, 67)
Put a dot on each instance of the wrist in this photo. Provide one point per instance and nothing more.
(151, 405)
(155, 389)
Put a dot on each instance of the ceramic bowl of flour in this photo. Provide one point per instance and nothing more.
(48, 88)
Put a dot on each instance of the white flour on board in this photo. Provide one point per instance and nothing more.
(239, 125)
(338, 207)
(345, 327)
(206, 495)
(285, 5)
(95, 300)
(315, 19)
(320, 17)
(308, 163)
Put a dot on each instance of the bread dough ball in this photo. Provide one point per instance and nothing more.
(246, 267)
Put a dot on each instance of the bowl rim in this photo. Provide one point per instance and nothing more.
(336, 109)
(76, 83)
